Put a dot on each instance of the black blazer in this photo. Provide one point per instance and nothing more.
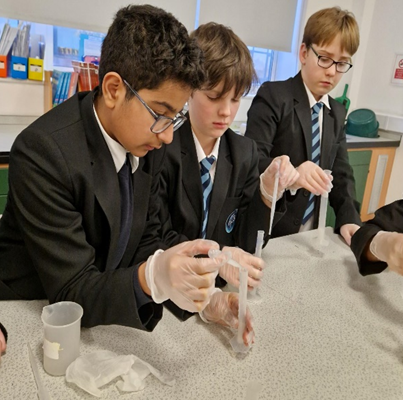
(60, 228)
(236, 211)
(388, 218)
(279, 120)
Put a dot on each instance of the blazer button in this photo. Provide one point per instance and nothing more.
(297, 221)
(306, 193)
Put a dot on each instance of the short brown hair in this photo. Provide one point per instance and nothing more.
(226, 58)
(324, 25)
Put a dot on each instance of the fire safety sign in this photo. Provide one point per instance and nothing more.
(397, 77)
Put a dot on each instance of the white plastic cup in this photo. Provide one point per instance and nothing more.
(61, 341)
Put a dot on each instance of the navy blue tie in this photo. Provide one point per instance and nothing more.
(207, 186)
(126, 208)
(315, 157)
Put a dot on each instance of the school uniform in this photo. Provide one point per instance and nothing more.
(388, 218)
(59, 232)
(279, 121)
(236, 210)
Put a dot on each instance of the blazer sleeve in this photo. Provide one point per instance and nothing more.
(254, 214)
(387, 218)
(45, 202)
(263, 119)
(3, 329)
(342, 195)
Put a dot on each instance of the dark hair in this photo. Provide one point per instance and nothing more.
(324, 25)
(147, 46)
(226, 58)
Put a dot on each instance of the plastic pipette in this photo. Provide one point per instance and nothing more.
(42, 392)
(237, 341)
(253, 294)
(322, 215)
(273, 203)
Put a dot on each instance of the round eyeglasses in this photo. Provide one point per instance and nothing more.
(327, 62)
(161, 122)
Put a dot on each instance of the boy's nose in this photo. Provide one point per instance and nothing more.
(166, 136)
(225, 110)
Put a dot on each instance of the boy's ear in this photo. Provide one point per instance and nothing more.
(113, 89)
(303, 53)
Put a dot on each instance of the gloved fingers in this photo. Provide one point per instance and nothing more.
(202, 266)
(253, 272)
(252, 283)
(290, 179)
(249, 333)
(196, 247)
(204, 281)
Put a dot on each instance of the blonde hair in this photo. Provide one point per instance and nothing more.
(226, 59)
(324, 25)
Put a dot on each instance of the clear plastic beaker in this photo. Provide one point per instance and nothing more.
(61, 342)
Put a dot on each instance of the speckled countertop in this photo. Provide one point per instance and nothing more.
(322, 332)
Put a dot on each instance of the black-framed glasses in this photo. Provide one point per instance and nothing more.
(327, 62)
(161, 122)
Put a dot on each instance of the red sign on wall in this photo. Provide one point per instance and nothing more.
(397, 77)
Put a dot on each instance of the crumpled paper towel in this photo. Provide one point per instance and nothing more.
(91, 371)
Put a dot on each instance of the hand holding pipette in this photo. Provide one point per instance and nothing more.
(238, 341)
(254, 266)
(223, 309)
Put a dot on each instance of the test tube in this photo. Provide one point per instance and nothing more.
(322, 215)
(253, 294)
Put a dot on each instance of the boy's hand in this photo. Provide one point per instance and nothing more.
(254, 266)
(288, 175)
(3, 344)
(313, 178)
(223, 310)
(176, 275)
(388, 247)
(347, 231)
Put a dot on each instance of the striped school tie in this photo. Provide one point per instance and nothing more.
(207, 186)
(315, 157)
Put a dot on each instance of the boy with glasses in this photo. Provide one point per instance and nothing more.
(298, 118)
(82, 210)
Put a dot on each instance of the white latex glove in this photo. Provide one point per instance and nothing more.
(288, 175)
(3, 344)
(313, 178)
(388, 247)
(347, 231)
(176, 275)
(253, 264)
(223, 310)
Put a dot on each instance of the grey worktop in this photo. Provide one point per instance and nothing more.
(322, 332)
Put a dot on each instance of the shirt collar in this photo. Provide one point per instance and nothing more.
(117, 151)
(200, 152)
(312, 101)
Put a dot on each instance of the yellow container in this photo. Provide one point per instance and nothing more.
(35, 69)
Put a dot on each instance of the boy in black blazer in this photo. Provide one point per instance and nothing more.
(281, 121)
(378, 244)
(236, 208)
(79, 222)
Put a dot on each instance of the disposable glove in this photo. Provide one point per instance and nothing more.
(313, 178)
(223, 310)
(253, 264)
(388, 247)
(288, 175)
(176, 275)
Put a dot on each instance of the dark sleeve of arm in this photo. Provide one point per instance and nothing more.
(3, 329)
(262, 124)
(254, 215)
(342, 196)
(387, 218)
(45, 201)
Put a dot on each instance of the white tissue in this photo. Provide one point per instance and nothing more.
(92, 371)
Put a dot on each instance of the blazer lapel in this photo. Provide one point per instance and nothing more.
(221, 184)
(105, 178)
(191, 171)
(301, 107)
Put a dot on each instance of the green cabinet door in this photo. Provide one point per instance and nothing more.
(359, 161)
(3, 188)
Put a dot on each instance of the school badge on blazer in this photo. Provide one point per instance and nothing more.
(230, 222)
